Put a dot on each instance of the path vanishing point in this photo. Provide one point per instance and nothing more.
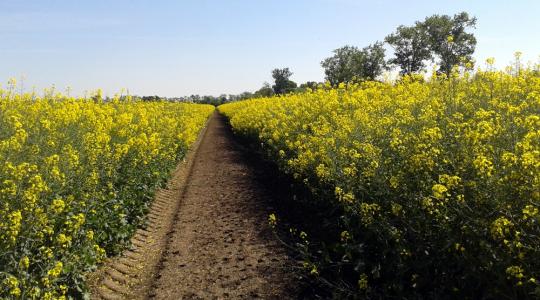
(207, 236)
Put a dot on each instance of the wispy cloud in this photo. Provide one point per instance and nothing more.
(33, 21)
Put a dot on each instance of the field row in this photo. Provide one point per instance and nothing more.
(76, 177)
(436, 183)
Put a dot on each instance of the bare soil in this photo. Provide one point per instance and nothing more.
(208, 235)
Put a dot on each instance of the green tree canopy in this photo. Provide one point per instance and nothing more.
(349, 63)
(265, 91)
(282, 82)
(449, 39)
(411, 48)
(312, 85)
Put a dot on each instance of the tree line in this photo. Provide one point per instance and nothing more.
(441, 39)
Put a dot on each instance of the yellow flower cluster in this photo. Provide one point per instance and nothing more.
(76, 176)
(421, 165)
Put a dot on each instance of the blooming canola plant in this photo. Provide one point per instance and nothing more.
(437, 180)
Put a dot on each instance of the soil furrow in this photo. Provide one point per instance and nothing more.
(220, 245)
(208, 236)
(138, 270)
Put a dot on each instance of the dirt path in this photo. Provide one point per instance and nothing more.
(209, 238)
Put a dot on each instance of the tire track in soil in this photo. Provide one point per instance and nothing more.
(208, 236)
(130, 275)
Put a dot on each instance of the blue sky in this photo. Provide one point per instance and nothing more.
(175, 48)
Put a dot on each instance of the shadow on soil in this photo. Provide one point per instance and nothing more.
(295, 208)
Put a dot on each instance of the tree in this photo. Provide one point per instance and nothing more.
(282, 83)
(374, 63)
(411, 48)
(150, 98)
(312, 85)
(449, 39)
(222, 99)
(349, 62)
(245, 95)
(265, 91)
(194, 98)
(343, 66)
